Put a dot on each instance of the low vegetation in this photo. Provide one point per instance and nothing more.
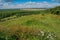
(30, 25)
(55, 10)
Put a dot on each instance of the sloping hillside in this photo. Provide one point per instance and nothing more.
(30, 25)
(47, 23)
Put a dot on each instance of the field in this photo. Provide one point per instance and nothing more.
(19, 24)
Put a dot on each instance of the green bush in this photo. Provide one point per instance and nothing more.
(55, 10)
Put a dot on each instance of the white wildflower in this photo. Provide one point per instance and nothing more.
(50, 34)
(55, 36)
(47, 36)
(42, 32)
(51, 38)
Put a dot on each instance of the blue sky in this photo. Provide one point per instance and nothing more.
(32, 0)
(23, 1)
(28, 4)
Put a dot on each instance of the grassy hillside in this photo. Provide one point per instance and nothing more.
(26, 24)
(30, 25)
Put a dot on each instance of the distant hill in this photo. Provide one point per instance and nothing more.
(55, 10)
(33, 9)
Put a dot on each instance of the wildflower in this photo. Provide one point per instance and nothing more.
(55, 36)
(51, 37)
(50, 34)
(47, 36)
(42, 32)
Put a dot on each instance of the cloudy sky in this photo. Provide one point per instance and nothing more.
(8, 4)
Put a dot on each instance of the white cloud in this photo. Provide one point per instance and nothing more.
(0, 0)
(30, 5)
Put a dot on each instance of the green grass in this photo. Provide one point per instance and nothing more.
(16, 24)
(46, 22)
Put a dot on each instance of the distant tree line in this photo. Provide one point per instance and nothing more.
(7, 13)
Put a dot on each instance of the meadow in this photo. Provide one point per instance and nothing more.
(16, 24)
